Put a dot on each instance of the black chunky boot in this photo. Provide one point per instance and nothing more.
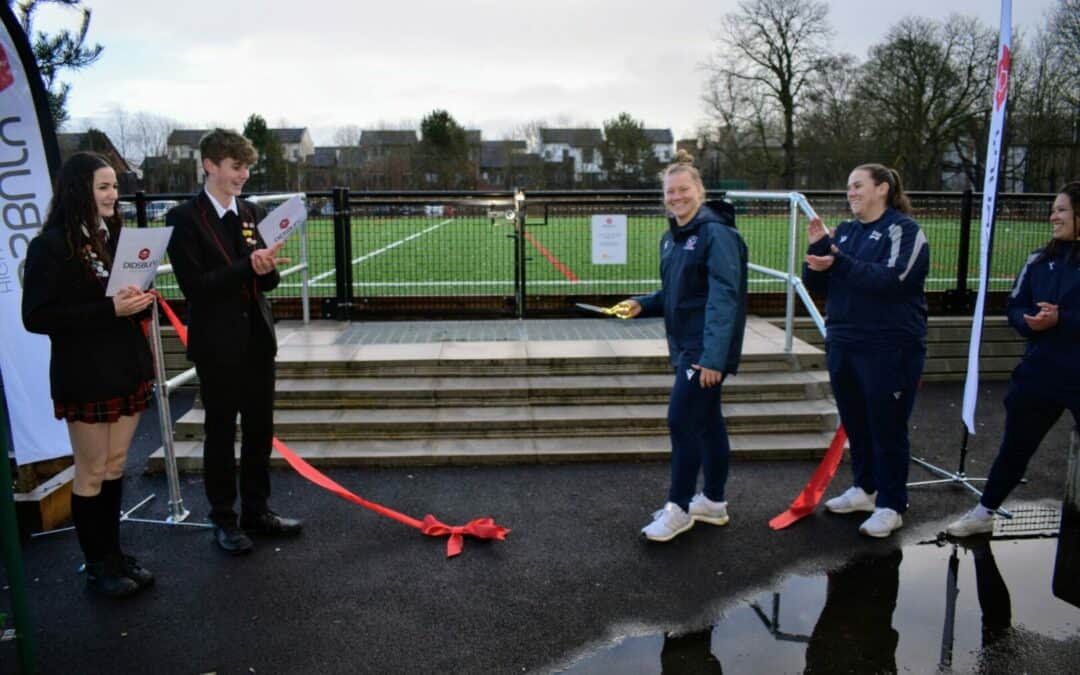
(112, 492)
(106, 577)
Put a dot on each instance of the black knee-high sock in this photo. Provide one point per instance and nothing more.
(112, 494)
(85, 516)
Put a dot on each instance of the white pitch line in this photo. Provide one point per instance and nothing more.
(386, 248)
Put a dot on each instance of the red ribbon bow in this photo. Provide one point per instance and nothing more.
(481, 528)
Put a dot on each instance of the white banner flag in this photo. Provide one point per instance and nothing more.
(25, 191)
(993, 161)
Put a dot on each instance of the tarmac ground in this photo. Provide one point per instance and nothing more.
(359, 593)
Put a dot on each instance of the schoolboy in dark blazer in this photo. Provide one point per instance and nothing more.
(224, 270)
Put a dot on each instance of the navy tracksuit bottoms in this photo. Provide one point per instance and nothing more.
(698, 437)
(1030, 412)
(874, 388)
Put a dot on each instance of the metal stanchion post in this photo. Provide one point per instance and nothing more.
(305, 275)
(177, 512)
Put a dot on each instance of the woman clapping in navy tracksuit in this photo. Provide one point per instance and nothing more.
(873, 269)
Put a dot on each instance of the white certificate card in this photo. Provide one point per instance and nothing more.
(279, 223)
(138, 254)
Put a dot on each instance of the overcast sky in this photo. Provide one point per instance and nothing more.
(491, 63)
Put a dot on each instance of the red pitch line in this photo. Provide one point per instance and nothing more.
(566, 271)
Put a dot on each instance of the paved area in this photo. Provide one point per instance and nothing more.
(359, 593)
(500, 330)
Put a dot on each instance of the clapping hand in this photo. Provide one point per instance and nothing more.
(816, 230)
(265, 260)
(1046, 319)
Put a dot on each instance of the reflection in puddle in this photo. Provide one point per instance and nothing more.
(977, 605)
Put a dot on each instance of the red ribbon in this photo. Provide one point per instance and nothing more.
(481, 528)
(181, 329)
(808, 499)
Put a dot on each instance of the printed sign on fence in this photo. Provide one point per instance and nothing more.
(609, 240)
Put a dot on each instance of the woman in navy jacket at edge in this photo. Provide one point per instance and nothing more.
(873, 269)
(1044, 307)
(100, 369)
(703, 301)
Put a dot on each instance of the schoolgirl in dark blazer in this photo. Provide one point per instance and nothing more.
(100, 369)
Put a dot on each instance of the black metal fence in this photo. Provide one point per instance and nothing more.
(415, 254)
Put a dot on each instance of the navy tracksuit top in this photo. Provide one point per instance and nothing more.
(703, 296)
(1052, 355)
(875, 284)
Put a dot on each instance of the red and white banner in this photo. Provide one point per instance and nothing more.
(993, 163)
(26, 144)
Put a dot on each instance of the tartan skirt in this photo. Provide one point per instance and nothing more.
(108, 411)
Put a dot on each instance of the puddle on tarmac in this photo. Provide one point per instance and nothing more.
(982, 605)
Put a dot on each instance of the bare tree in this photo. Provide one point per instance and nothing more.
(138, 135)
(774, 46)
(529, 132)
(746, 132)
(1044, 107)
(831, 139)
(926, 85)
(150, 134)
(1064, 27)
(348, 134)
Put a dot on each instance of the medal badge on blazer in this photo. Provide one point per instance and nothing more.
(96, 265)
(247, 230)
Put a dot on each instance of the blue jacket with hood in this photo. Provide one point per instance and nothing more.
(1052, 356)
(703, 292)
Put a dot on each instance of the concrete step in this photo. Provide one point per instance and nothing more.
(519, 421)
(321, 365)
(377, 392)
(809, 445)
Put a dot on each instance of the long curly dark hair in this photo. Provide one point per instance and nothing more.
(73, 206)
(1050, 251)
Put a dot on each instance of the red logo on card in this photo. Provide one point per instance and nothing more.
(6, 77)
(144, 254)
(284, 223)
(1002, 76)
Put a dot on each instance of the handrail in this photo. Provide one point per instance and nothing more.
(795, 286)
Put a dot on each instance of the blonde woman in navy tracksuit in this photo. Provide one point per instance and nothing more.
(703, 302)
(873, 269)
(1044, 307)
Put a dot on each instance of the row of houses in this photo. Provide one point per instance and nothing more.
(390, 160)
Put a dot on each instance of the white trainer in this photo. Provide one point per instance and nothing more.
(853, 499)
(882, 523)
(975, 521)
(668, 523)
(705, 510)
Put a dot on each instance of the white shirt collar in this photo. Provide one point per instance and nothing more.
(101, 226)
(222, 210)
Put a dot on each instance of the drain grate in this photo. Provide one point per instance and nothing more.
(1029, 521)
